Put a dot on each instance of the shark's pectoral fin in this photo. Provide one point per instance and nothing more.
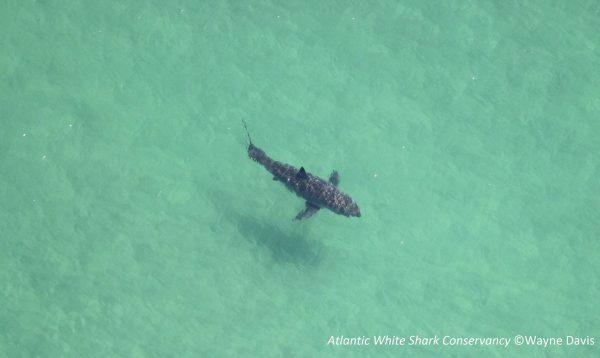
(308, 211)
(301, 174)
(334, 178)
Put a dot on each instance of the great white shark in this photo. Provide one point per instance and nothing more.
(317, 193)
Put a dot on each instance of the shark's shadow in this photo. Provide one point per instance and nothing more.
(291, 247)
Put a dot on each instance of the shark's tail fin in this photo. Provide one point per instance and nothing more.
(247, 132)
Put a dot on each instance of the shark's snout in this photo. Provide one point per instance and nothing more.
(350, 208)
(355, 211)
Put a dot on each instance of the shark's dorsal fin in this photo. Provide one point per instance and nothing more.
(334, 178)
(301, 174)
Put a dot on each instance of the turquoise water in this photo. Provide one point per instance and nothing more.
(133, 224)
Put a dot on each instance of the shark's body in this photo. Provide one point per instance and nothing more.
(317, 192)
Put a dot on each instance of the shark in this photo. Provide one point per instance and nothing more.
(317, 193)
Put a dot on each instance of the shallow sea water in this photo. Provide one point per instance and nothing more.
(133, 224)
